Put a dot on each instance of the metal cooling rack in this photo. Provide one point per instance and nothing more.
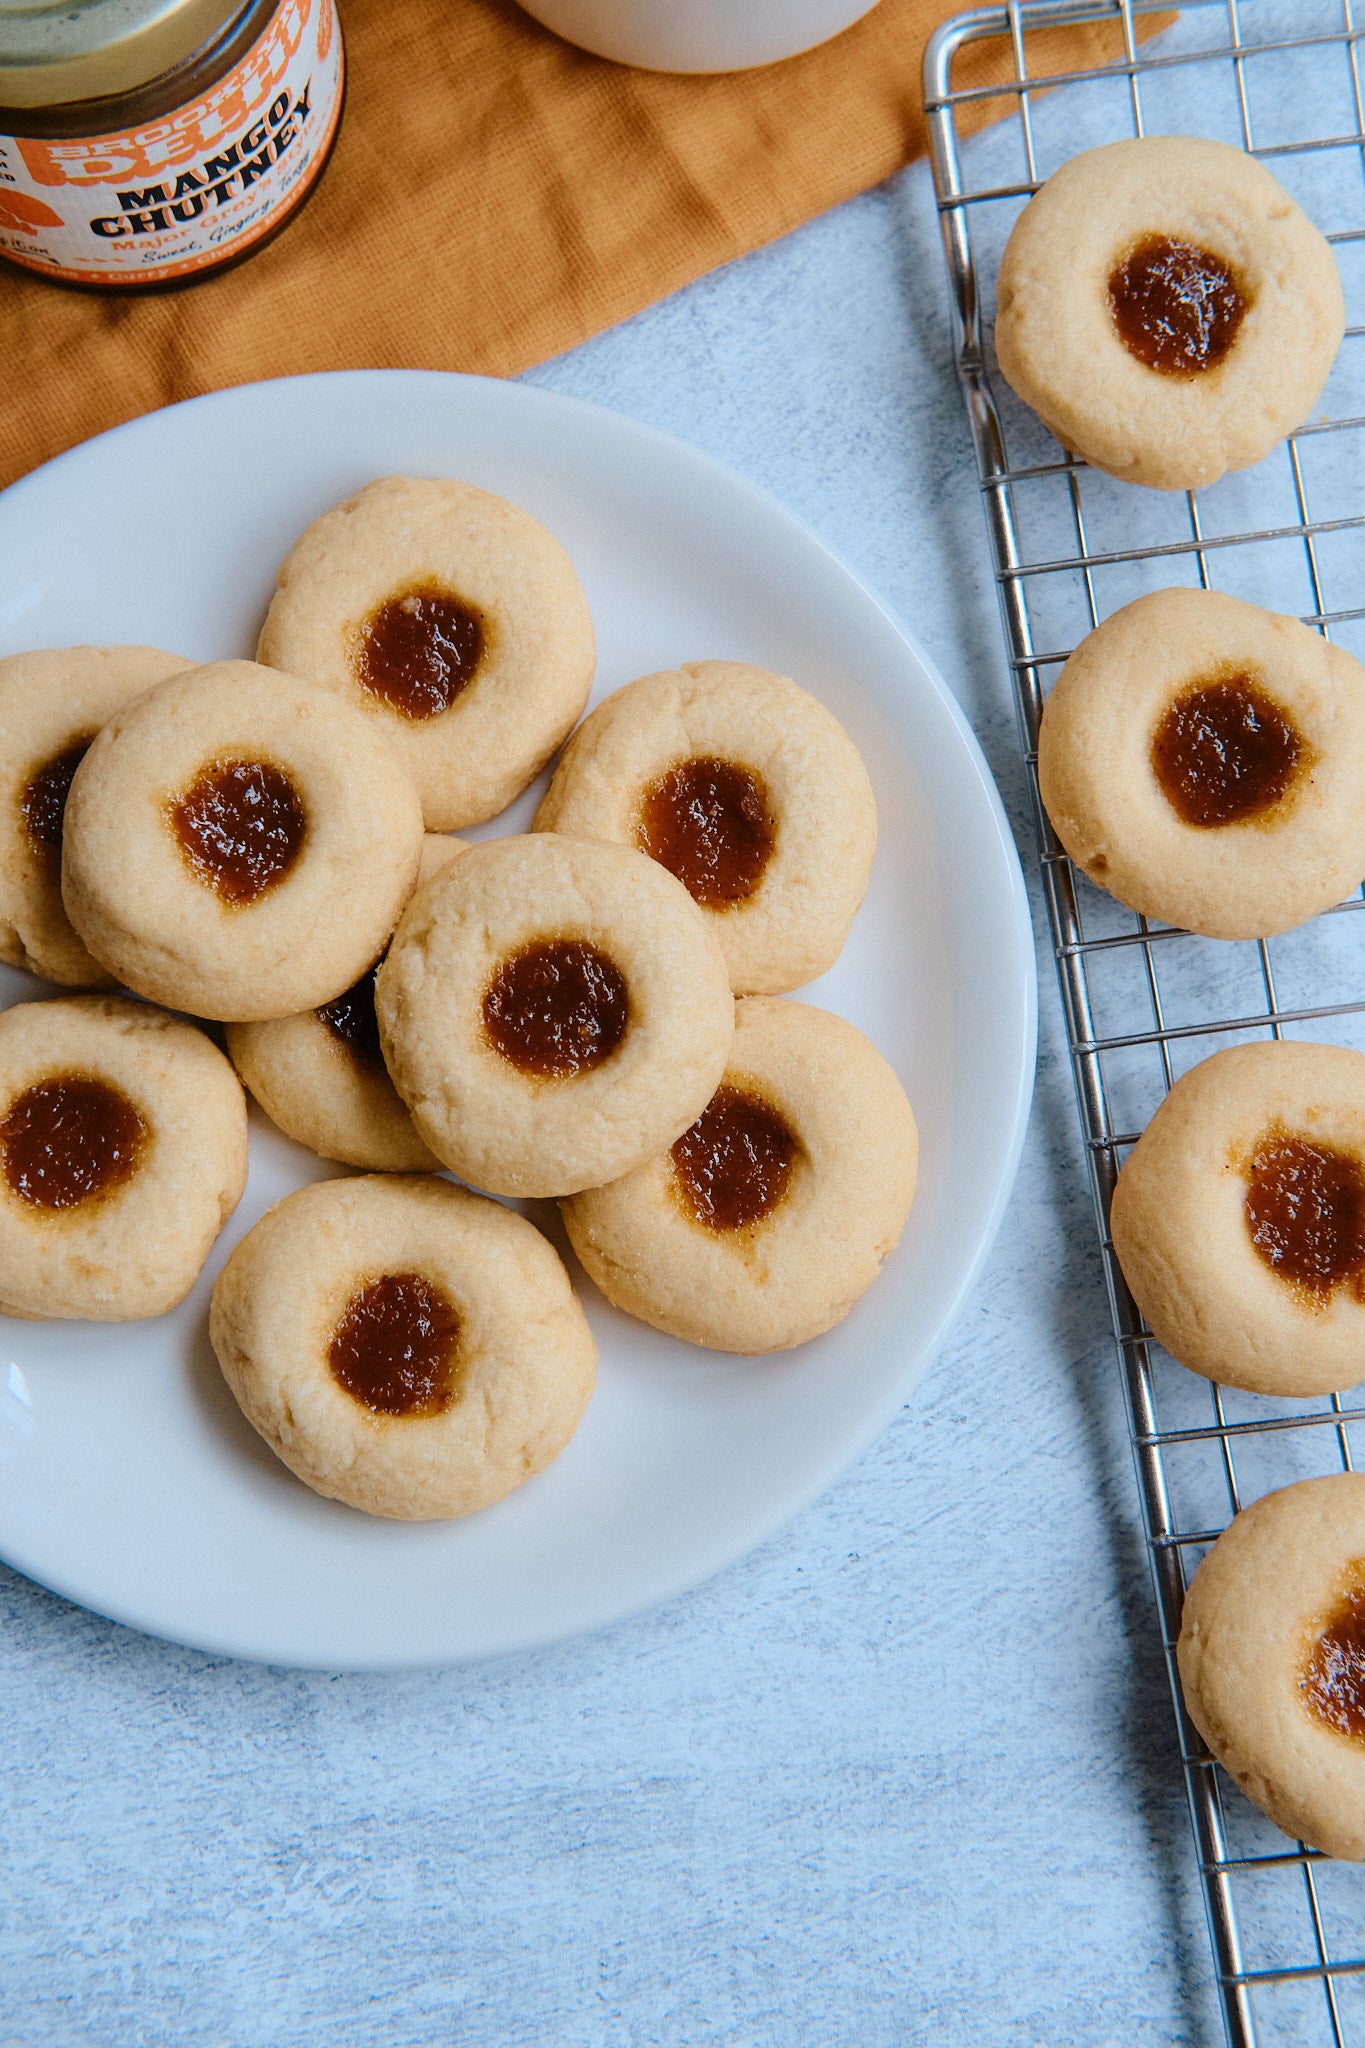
(1143, 1002)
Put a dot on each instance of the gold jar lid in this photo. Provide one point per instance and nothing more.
(56, 51)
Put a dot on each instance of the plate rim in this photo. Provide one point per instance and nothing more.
(878, 1413)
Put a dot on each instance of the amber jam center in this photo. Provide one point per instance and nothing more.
(1305, 1209)
(1333, 1680)
(394, 1347)
(418, 650)
(68, 1140)
(1223, 753)
(733, 1166)
(350, 1017)
(557, 1007)
(240, 826)
(1177, 307)
(708, 823)
(43, 803)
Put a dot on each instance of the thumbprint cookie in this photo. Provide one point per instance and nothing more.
(553, 1011)
(1239, 1219)
(122, 1155)
(404, 1346)
(454, 621)
(1204, 761)
(1167, 310)
(774, 1211)
(321, 1075)
(52, 703)
(746, 789)
(1272, 1658)
(238, 844)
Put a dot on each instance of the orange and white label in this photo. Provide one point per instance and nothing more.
(204, 182)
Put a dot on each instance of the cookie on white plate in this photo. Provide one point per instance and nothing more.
(749, 791)
(52, 703)
(321, 1075)
(553, 1011)
(123, 1151)
(454, 622)
(403, 1345)
(764, 1222)
(238, 844)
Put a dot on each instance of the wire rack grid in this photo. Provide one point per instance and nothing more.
(1143, 1002)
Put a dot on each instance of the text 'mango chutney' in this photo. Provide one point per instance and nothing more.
(153, 142)
(1177, 308)
(1223, 752)
(70, 1139)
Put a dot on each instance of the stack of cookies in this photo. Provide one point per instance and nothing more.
(270, 846)
(1171, 314)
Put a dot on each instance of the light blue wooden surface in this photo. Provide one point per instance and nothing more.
(907, 1775)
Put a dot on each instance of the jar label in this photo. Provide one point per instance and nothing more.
(176, 195)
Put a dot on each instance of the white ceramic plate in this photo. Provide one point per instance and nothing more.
(128, 1479)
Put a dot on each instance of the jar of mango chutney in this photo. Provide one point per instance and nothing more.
(153, 142)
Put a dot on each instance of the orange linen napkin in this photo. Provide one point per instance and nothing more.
(495, 197)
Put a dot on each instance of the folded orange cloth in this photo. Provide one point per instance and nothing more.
(495, 196)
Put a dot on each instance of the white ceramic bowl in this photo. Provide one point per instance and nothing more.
(697, 35)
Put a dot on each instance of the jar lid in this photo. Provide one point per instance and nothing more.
(56, 51)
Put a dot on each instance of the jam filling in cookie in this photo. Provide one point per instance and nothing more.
(1333, 1680)
(43, 803)
(350, 1017)
(68, 1140)
(394, 1348)
(556, 1007)
(1305, 1209)
(418, 650)
(240, 827)
(733, 1166)
(1224, 753)
(708, 822)
(1177, 307)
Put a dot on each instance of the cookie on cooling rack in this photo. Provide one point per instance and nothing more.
(122, 1154)
(1204, 761)
(404, 1346)
(1239, 1219)
(746, 789)
(238, 844)
(764, 1222)
(1272, 1658)
(454, 622)
(553, 1012)
(52, 703)
(1167, 309)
